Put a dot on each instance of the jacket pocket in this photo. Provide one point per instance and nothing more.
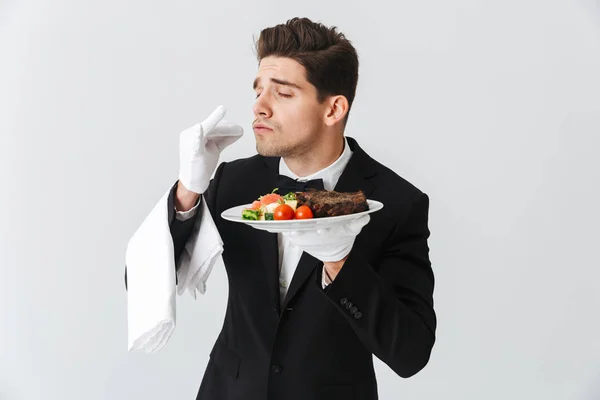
(226, 359)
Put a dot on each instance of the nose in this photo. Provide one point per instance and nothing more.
(262, 108)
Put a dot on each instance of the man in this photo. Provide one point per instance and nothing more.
(304, 319)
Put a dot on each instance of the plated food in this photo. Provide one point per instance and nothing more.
(305, 205)
(323, 211)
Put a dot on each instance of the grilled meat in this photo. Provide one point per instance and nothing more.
(329, 203)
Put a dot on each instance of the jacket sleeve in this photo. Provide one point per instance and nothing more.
(182, 230)
(390, 305)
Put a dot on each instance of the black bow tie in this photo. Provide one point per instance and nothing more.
(285, 184)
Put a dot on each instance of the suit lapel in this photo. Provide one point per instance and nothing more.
(356, 175)
(354, 178)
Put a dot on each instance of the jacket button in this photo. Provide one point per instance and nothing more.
(349, 305)
(276, 368)
(343, 301)
(358, 315)
(353, 310)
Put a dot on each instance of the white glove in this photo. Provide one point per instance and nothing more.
(329, 244)
(200, 147)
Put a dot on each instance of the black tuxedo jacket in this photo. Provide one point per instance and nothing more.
(320, 343)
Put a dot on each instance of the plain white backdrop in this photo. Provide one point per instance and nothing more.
(492, 108)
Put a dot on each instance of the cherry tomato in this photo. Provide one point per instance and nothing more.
(304, 212)
(283, 212)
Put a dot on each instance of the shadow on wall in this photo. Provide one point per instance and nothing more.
(592, 9)
(593, 391)
(6, 394)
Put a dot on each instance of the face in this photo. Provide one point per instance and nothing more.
(288, 118)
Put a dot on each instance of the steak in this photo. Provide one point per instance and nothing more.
(329, 203)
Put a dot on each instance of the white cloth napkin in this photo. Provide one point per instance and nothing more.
(202, 250)
(150, 261)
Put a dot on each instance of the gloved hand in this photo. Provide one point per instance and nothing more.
(200, 147)
(329, 244)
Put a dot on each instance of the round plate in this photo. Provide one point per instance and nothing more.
(234, 214)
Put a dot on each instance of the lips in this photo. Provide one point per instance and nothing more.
(261, 128)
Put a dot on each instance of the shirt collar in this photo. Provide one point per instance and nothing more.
(330, 174)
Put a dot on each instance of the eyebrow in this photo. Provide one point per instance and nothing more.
(277, 81)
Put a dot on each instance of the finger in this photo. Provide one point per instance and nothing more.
(365, 219)
(214, 118)
(354, 227)
(225, 128)
(323, 231)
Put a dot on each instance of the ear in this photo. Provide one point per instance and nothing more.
(336, 110)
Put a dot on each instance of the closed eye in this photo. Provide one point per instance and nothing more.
(285, 95)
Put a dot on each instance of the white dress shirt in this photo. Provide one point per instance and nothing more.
(289, 255)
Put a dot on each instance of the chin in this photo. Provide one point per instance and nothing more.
(267, 150)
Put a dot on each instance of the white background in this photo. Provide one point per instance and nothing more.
(490, 107)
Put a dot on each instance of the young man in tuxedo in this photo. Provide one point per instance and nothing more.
(307, 311)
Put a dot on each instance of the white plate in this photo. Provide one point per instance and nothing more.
(234, 214)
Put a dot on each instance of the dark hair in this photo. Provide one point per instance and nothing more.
(330, 60)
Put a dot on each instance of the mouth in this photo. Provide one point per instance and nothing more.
(260, 128)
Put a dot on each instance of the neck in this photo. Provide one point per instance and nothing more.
(318, 158)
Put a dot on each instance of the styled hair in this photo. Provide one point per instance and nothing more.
(330, 60)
